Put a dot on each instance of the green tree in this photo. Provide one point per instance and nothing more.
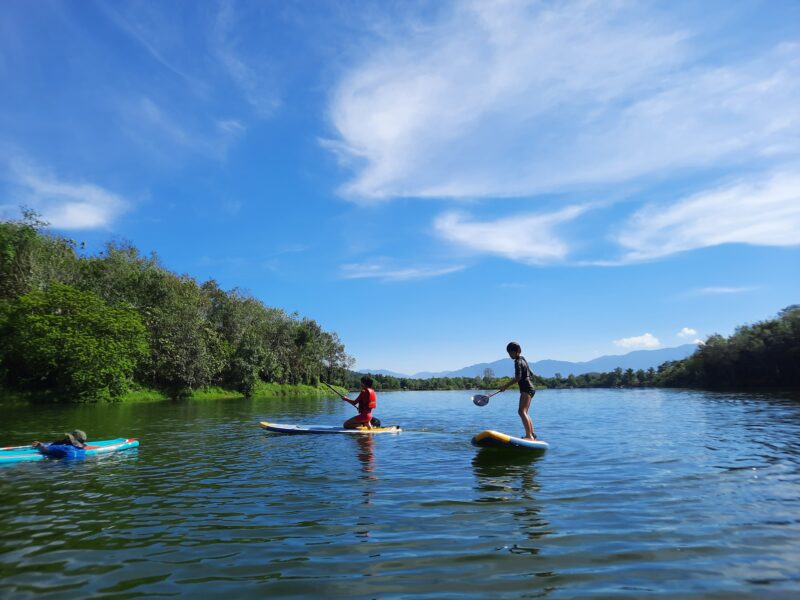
(30, 260)
(186, 351)
(71, 343)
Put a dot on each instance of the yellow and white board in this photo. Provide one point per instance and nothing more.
(495, 439)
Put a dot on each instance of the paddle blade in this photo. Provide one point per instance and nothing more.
(480, 400)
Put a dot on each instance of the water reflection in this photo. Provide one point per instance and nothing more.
(365, 453)
(510, 477)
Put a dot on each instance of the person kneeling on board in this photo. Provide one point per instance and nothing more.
(73, 443)
(366, 401)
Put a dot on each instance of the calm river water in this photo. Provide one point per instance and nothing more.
(649, 493)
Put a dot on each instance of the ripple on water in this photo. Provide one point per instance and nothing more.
(643, 492)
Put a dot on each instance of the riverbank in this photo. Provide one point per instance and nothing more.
(145, 395)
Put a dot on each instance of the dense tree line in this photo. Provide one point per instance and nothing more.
(88, 327)
(763, 355)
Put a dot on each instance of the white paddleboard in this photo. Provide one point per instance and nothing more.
(322, 429)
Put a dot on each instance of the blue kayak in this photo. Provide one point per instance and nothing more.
(13, 454)
(495, 439)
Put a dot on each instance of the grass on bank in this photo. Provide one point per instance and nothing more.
(262, 390)
(141, 394)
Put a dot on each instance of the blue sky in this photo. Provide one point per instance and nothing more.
(428, 179)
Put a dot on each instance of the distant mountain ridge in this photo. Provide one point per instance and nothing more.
(638, 359)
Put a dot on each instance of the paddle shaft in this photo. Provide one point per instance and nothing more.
(338, 394)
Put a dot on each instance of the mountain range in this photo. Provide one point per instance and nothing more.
(504, 367)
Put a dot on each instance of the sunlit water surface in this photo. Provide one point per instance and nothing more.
(643, 493)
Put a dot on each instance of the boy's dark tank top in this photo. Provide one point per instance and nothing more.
(521, 369)
(523, 374)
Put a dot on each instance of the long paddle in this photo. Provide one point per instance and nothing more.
(331, 388)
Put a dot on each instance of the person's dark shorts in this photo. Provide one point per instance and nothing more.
(526, 387)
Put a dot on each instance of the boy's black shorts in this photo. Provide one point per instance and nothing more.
(526, 387)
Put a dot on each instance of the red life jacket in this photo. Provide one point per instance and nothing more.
(367, 400)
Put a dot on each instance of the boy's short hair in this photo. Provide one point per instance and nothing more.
(367, 381)
(513, 347)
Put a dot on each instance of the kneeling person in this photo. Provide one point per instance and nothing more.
(367, 400)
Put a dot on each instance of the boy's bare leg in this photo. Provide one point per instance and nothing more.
(524, 405)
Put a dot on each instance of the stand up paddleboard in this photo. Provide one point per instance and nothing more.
(309, 429)
(13, 454)
(495, 439)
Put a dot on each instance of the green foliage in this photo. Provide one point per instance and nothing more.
(70, 342)
(766, 354)
(30, 260)
(198, 336)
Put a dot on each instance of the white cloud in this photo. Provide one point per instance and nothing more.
(706, 291)
(518, 98)
(646, 341)
(687, 332)
(63, 204)
(762, 212)
(386, 273)
(528, 238)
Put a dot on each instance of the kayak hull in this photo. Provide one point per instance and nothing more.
(495, 439)
(15, 454)
(323, 429)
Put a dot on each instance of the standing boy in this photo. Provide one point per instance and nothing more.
(522, 376)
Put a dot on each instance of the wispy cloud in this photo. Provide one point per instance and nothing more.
(763, 212)
(191, 112)
(383, 272)
(163, 130)
(687, 332)
(517, 98)
(160, 36)
(166, 30)
(251, 77)
(706, 291)
(528, 238)
(645, 341)
(64, 204)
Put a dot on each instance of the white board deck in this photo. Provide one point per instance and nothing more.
(323, 429)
